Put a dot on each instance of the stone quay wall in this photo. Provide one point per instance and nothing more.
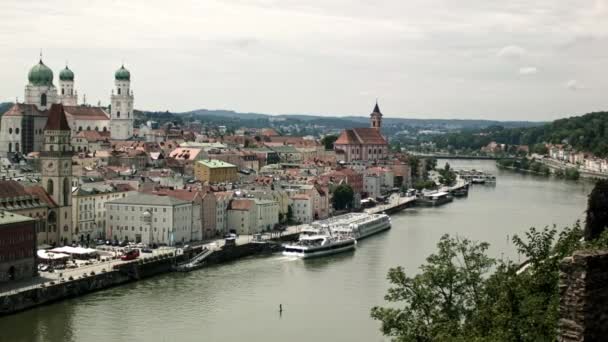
(583, 290)
(82, 285)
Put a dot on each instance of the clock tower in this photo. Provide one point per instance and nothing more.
(56, 164)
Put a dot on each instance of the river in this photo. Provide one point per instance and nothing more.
(327, 299)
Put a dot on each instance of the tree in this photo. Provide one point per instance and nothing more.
(446, 175)
(343, 197)
(597, 210)
(455, 299)
(289, 214)
(328, 141)
(434, 304)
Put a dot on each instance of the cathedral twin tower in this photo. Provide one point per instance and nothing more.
(41, 92)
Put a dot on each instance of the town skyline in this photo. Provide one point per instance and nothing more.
(420, 60)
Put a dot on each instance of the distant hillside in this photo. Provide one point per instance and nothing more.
(587, 133)
(360, 121)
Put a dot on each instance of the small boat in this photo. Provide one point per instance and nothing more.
(310, 246)
(478, 180)
(460, 192)
(433, 199)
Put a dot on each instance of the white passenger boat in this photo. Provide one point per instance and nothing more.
(357, 225)
(361, 225)
(310, 246)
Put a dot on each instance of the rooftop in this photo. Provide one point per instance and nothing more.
(8, 217)
(147, 199)
(215, 164)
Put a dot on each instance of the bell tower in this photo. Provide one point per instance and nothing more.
(376, 118)
(121, 119)
(56, 164)
(68, 95)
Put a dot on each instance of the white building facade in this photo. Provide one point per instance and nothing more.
(151, 219)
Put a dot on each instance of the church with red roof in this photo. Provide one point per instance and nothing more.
(363, 144)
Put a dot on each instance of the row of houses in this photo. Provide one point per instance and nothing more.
(584, 160)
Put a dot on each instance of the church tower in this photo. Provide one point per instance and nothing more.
(40, 90)
(121, 120)
(376, 118)
(68, 95)
(56, 164)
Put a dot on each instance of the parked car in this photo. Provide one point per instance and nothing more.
(130, 255)
(146, 250)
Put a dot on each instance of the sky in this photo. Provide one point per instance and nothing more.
(503, 60)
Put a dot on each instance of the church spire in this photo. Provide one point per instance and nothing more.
(376, 117)
(377, 109)
(57, 120)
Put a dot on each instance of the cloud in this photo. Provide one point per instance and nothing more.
(512, 52)
(528, 70)
(574, 85)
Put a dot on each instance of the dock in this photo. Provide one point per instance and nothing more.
(396, 204)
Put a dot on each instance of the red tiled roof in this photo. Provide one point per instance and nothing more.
(185, 153)
(86, 113)
(42, 195)
(269, 132)
(241, 204)
(11, 188)
(57, 120)
(356, 136)
(20, 109)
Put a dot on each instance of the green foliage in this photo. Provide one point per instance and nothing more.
(328, 141)
(425, 184)
(434, 303)
(585, 133)
(343, 197)
(571, 174)
(289, 214)
(447, 176)
(597, 210)
(414, 163)
(454, 298)
(526, 165)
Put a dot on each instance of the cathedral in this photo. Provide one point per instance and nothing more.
(22, 126)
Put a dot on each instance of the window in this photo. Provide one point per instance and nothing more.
(118, 114)
(62, 91)
(66, 192)
(17, 130)
(43, 100)
(49, 187)
(118, 94)
(10, 131)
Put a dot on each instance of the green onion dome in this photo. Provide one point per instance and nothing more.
(40, 75)
(66, 74)
(122, 74)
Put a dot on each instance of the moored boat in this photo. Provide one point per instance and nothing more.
(432, 199)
